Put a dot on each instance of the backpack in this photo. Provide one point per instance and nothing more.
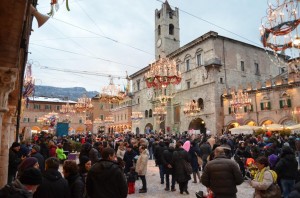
(274, 175)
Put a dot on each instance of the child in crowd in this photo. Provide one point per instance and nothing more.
(131, 178)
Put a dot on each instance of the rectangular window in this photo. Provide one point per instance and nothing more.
(125, 116)
(242, 66)
(177, 67)
(47, 107)
(188, 84)
(187, 62)
(221, 80)
(35, 120)
(138, 85)
(57, 108)
(101, 106)
(199, 59)
(102, 117)
(265, 106)
(177, 114)
(80, 121)
(111, 106)
(25, 119)
(36, 106)
(256, 68)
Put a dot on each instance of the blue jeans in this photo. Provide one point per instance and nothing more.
(161, 173)
(168, 181)
(286, 185)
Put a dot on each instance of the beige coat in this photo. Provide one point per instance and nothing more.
(141, 164)
(264, 185)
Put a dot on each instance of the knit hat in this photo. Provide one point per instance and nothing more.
(83, 160)
(272, 160)
(15, 144)
(31, 176)
(37, 148)
(27, 163)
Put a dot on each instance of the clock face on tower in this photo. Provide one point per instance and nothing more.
(158, 43)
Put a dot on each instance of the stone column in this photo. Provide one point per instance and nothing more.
(8, 77)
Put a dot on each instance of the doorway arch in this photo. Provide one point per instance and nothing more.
(137, 130)
(197, 124)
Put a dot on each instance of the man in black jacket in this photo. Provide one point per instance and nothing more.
(222, 175)
(106, 178)
(14, 161)
(53, 184)
(35, 152)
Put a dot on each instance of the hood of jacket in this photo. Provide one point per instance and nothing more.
(52, 175)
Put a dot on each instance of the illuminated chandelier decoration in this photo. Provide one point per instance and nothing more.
(165, 94)
(162, 73)
(279, 31)
(160, 113)
(98, 121)
(111, 93)
(239, 100)
(136, 117)
(84, 104)
(49, 119)
(191, 108)
(28, 83)
(109, 120)
(67, 108)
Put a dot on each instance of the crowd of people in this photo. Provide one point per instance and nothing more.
(110, 165)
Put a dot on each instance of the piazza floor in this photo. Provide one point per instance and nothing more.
(155, 189)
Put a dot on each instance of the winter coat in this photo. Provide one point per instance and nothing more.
(128, 159)
(53, 185)
(106, 180)
(179, 156)
(296, 191)
(193, 152)
(15, 190)
(52, 151)
(262, 185)
(76, 185)
(158, 153)
(168, 160)
(60, 154)
(222, 175)
(121, 153)
(141, 164)
(94, 155)
(14, 161)
(287, 166)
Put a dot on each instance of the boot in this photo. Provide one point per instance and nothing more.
(195, 178)
(198, 174)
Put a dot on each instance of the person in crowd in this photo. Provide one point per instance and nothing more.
(295, 192)
(84, 165)
(52, 149)
(121, 150)
(241, 154)
(14, 161)
(128, 158)
(53, 185)
(273, 159)
(194, 152)
(60, 153)
(264, 178)
(75, 182)
(286, 168)
(106, 178)
(206, 150)
(180, 157)
(222, 175)
(85, 149)
(158, 154)
(168, 164)
(141, 167)
(94, 153)
(44, 149)
(35, 152)
(131, 178)
(29, 162)
(25, 186)
(25, 148)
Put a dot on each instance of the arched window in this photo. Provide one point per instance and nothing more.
(146, 114)
(150, 113)
(158, 30)
(171, 29)
(200, 103)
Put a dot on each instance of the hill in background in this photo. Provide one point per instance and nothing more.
(72, 93)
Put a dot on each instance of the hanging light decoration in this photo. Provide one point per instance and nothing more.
(109, 120)
(191, 108)
(111, 93)
(162, 73)
(28, 83)
(84, 104)
(280, 32)
(136, 117)
(239, 100)
(67, 108)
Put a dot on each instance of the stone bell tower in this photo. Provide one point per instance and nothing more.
(166, 30)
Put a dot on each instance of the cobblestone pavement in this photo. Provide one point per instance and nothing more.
(155, 189)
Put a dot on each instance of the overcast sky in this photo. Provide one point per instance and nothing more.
(114, 36)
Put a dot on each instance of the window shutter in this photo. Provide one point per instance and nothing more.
(229, 110)
(280, 104)
(261, 106)
(289, 102)
(269, 105)
(245, 108)
(251, 108)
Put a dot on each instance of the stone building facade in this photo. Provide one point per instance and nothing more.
(208, 64)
